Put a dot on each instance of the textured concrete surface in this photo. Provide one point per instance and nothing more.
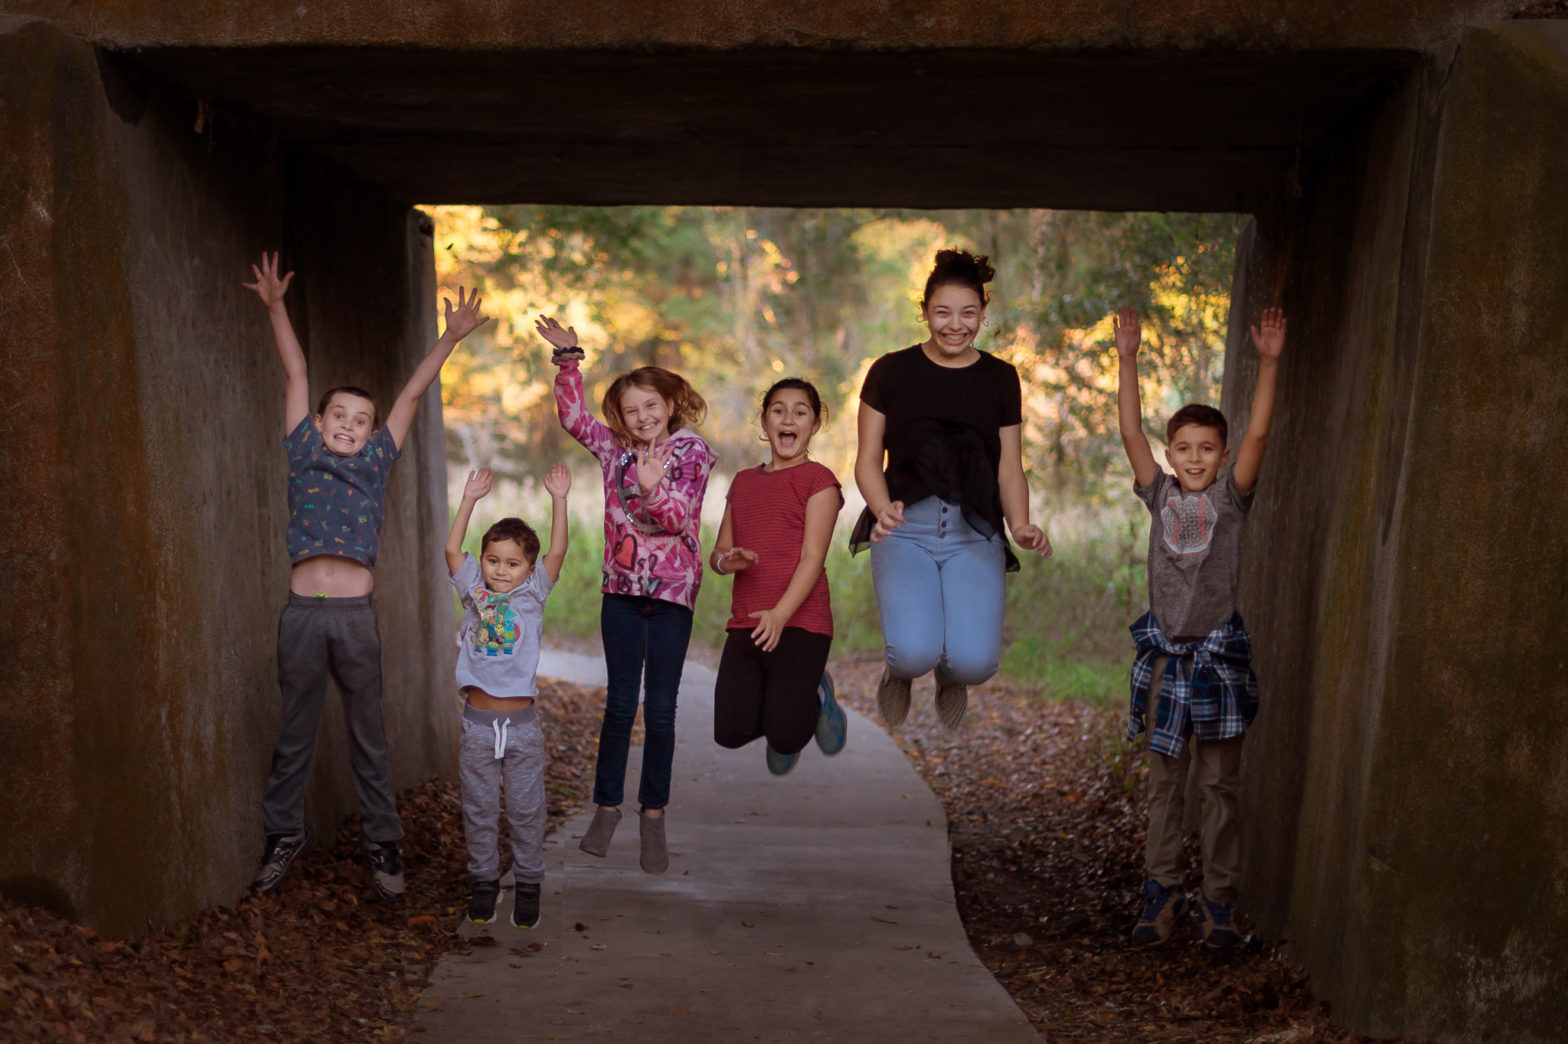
(816, 906)
(1406, 792)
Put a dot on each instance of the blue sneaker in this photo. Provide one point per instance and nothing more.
(780, 764)
(1218, 922)
(1161, 907)
(832, 726)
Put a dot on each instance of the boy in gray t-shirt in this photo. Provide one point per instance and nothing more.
(503, 595)
(1194, 657)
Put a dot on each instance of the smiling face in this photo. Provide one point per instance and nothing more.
(789, 422)
(646, 414)
(953, 314)
(346, 423)
(1197, 453)
(504, 565)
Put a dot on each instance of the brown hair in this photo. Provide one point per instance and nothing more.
(349, 389)
(1201, 415)
(818, 411)
(513, 529)
(687, 408)
(956, 267)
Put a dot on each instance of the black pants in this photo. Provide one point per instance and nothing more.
(772, 694)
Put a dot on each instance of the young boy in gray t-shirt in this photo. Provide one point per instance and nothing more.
(1193, 652)
(503, 595)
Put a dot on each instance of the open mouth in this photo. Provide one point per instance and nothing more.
(788, 440)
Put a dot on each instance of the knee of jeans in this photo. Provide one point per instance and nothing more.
(971, 668)
(910, 661)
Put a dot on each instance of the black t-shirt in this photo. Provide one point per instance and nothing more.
(943, 433)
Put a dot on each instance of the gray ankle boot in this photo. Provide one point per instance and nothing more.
(597, 840)
(655, 854)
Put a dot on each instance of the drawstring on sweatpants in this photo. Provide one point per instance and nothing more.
(500, 726)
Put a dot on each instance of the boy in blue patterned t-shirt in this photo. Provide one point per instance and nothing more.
(339, 461)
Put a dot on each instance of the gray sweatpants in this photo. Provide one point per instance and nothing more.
(497, 747)
(318, 637)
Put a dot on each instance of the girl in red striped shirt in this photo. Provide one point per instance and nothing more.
(778, 522)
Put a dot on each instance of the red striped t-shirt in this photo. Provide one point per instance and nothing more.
(768, 516)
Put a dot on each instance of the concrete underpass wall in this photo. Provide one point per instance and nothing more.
(144, 481)
(1407, 782)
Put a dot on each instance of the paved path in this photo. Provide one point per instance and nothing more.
(814, 907)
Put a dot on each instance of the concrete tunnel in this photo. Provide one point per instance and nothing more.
(1405, 789)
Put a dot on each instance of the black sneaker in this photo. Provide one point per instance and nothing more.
(525, 905)
(277, 857)
(481, 901)
(386, 868)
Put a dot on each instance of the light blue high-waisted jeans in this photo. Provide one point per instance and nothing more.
(940, 589)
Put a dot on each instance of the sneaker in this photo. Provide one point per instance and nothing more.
(893, 698)
(952, 700)
(386, 868)
(481, 901)
(1161, 907)
(780, 764)
(525, 905)
(655, 857)
(1219, 924)
(276, 859)
(832, 726)
(596, 842)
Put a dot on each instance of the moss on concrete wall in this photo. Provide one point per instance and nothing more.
(1408, 780)
(145, 556)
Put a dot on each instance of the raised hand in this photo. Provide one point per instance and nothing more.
(466, 317)
(559, 479)
(890, 519)
(652, 463)
(478, 485)
(1129, 332)
(558, 335)
(268, 286)
(1268, 336)
(1033, 538)
(770, 627)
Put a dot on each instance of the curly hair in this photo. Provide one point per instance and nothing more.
(1201, 415)
(687, 408)
(514, 529)
(957, 267)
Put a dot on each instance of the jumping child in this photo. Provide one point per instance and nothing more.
(503, 594)
(339, 461)
(655, 475)
(1193, 651)
(777, 525)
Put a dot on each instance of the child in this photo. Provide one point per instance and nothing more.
(1193, 651)
(774, 538)
(503, 608)
(339, 461)
(655, 474)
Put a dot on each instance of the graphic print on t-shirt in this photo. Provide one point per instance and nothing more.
(1188, 523)
(496, 632)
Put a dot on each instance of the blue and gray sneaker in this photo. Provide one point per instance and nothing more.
(832, 726)
(1218, 923)
(780, 764)
(1161, 907)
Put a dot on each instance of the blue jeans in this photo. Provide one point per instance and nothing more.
(940, 591)
(645, 643)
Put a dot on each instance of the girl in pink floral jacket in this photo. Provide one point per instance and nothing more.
(655, 474)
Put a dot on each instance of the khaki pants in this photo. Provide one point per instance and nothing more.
(1218, 778)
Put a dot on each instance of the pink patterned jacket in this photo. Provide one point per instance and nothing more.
(652, 543)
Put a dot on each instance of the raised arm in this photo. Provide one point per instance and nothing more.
(474, 491)
(1129, 410)
(1268, 337)
(871, 428)
(571, 403)
(821, 515)
(1015, 493)
(558, 482)
(460, 322)
(296, 389)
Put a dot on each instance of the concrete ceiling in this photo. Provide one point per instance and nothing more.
(792, 126)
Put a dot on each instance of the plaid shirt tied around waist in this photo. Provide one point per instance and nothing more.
(1208, 685)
